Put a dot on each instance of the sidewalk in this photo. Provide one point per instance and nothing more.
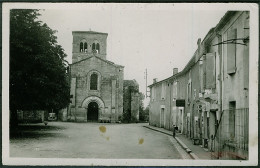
(195, 151)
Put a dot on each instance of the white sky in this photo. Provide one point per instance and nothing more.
(158, 37)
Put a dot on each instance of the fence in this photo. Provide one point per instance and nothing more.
(231, 139)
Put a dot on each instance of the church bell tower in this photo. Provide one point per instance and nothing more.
(88, 43)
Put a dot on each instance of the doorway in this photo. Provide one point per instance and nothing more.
(92, 113)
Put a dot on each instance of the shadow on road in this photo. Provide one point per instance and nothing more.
(35, 131)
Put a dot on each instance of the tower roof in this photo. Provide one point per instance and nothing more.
(89, 32)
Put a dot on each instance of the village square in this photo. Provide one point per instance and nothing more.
(95, 102)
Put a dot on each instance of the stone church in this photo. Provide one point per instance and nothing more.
(96, 83)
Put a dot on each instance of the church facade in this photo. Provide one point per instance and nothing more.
(96, 83)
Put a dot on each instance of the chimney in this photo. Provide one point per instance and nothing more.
(154, 80)
(175, 71)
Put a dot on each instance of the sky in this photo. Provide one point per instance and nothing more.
(156, 37)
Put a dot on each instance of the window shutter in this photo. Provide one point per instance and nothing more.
(204, 73)
(163, 91)
(188, 93)
(210, 71)
(201, 74)
(174, 90)
(152, 93)
(190, 90)
(231, 52)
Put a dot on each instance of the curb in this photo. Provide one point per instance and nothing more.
(157, 130)
(192, 155)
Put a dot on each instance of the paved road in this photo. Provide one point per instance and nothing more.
(92, 140)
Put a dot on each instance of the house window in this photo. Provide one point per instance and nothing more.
(153, 93)
(93, 81)
(189, 92)
(210, 70)
(174, 90)
(81, 47)
(201, 73)
(163, 91)
(231, 51)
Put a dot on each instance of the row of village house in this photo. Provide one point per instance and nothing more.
(208, 100)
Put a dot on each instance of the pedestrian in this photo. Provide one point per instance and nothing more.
(173, 132)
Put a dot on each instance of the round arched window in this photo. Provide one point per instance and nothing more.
(85, 47)
(97, 47)
(93, 81)
(93, 47)
(81, 47)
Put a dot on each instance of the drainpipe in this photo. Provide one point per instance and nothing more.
(170, 106)
(220, 80)
(220, 67)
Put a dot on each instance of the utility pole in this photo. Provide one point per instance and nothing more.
(146, 91)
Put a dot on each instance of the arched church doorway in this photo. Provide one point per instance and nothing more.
(92, 113)
(94, 108)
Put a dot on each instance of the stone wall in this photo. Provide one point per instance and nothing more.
(110, 87)
(31, 116)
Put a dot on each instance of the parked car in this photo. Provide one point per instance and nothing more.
(52, 117)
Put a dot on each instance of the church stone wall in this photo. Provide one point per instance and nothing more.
(109, 75)
(108, 92)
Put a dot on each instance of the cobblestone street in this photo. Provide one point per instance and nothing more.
(93, 140)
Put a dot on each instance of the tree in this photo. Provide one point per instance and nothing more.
(142, 111)
(144, 115)
(38, 79)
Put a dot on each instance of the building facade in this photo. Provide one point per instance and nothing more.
(96, 83)
(208, 100)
